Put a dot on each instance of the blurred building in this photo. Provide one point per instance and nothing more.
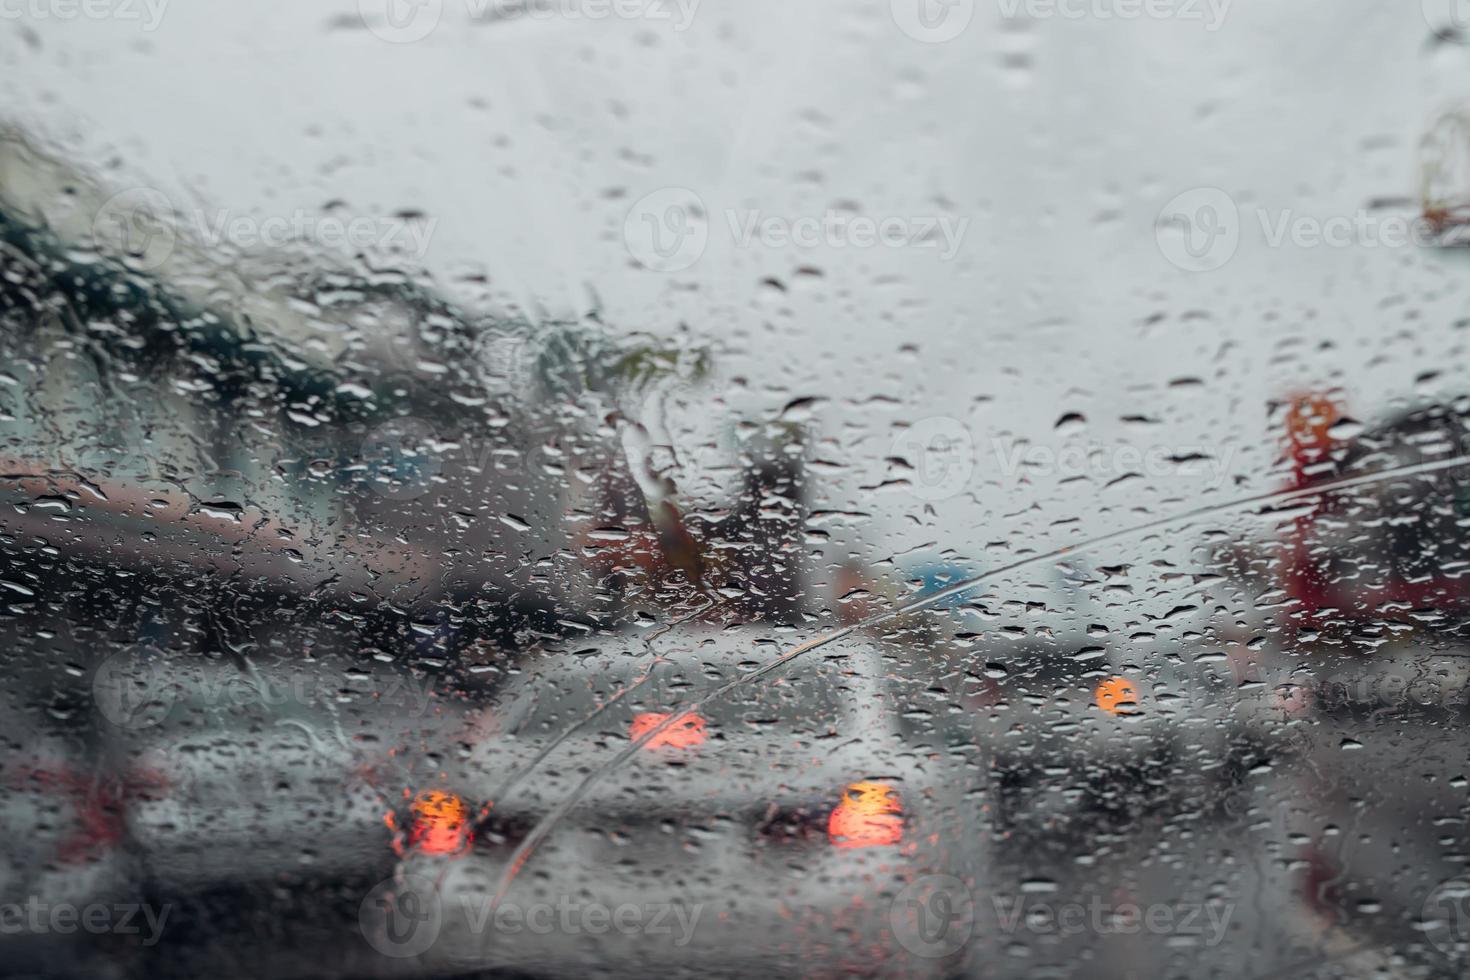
(288, 424)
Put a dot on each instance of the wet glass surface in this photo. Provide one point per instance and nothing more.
(666, 488)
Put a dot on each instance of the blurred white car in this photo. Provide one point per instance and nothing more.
(773, 827)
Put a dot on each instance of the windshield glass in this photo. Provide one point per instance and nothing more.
(667, 488)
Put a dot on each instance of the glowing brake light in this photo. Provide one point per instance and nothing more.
(1309, 422)
(440, 823)
(870, 815)
(1117, 696)
(686, 733)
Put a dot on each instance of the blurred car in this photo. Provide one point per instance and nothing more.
(1382, 866)
(1376, 576)
(774, 818)
(1390, 548)
(62, 822)
(1071, 702)
(281, 772)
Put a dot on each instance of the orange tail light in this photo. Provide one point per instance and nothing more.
(870, 815)
(686, 733)
(1309, 422)
(1117, 696)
